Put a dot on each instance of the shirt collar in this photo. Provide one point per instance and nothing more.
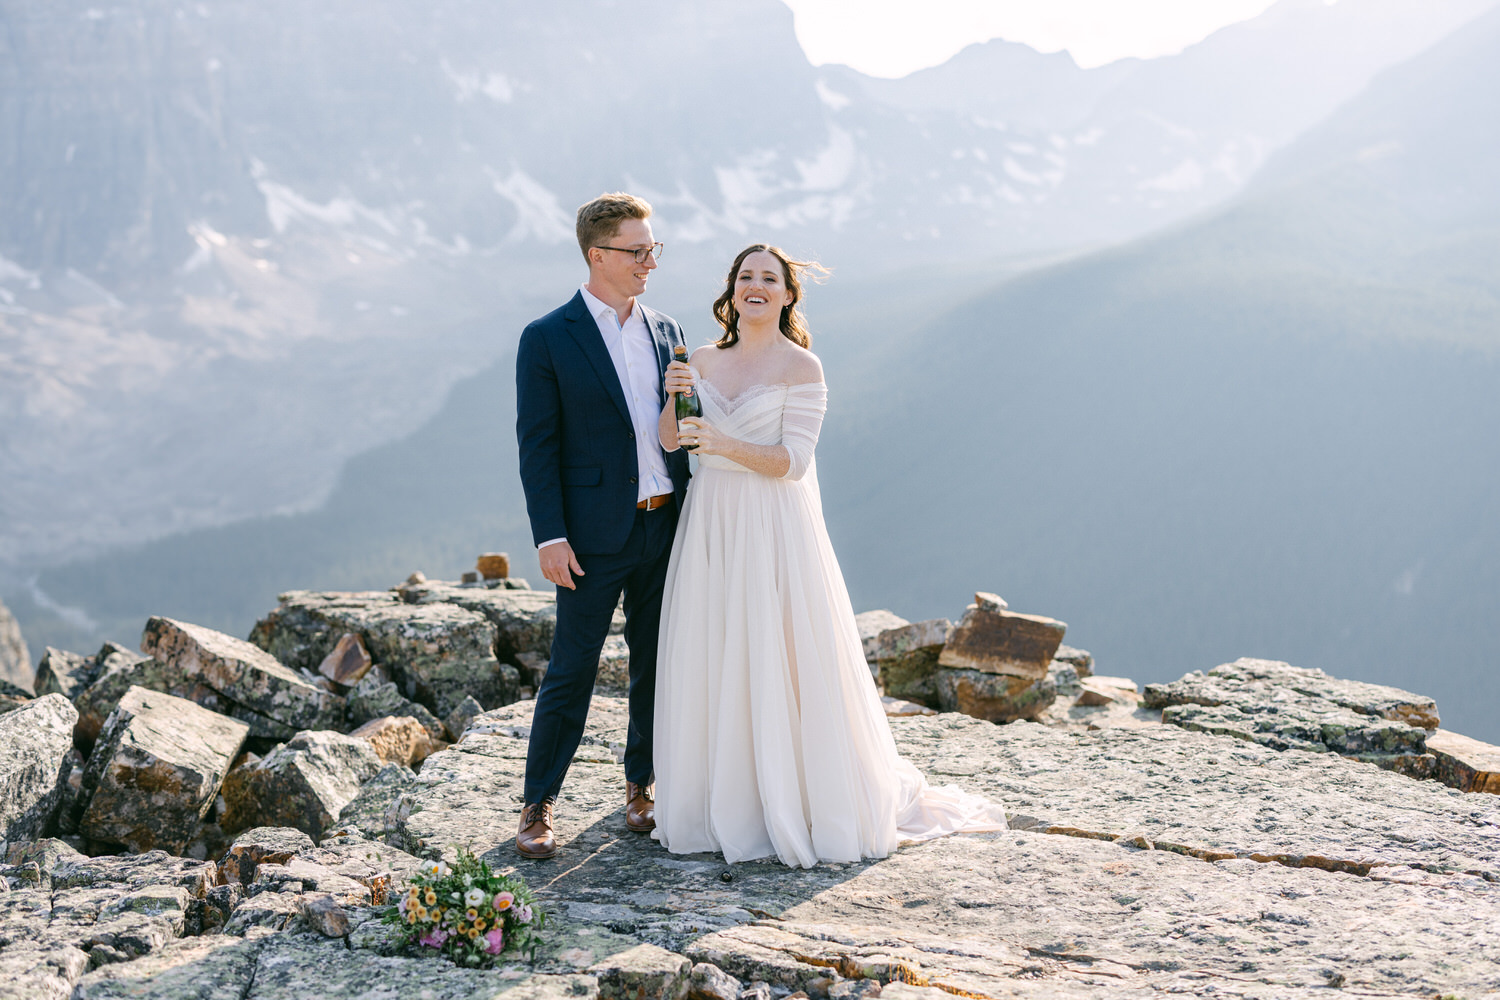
(597, 306)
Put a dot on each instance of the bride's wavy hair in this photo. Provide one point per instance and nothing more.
(793, 324)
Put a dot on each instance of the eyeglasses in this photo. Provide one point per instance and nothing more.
(655, 250)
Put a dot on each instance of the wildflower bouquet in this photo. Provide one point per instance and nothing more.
(467, 912)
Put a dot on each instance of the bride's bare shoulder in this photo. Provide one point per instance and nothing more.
(703, 357)
(803, 366)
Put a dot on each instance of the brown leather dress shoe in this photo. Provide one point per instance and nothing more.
(535, 839)
(640, 807)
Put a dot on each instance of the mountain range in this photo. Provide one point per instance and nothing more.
(1217, 382)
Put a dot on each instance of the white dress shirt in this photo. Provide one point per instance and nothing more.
(633, 351)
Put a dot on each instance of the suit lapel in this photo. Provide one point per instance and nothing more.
(585, 332)
(663, 343)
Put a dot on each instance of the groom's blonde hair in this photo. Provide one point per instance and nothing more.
(599, 220)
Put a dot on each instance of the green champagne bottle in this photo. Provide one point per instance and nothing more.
(687, 402)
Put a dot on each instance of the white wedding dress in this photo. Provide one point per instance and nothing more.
(770, 738)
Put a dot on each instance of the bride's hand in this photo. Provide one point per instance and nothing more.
(678, 378)
(695, 431)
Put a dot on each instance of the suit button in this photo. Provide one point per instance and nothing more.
(632, 435)
(632, 479)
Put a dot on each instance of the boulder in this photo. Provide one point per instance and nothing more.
(994, 697)
(269, 844)
(1081, 660)
(906, 658)
(262, 692)
(15, 658)
(493, 565)
(458, 720)
(64, 673)
(372, 699)
(34, 765)
(119, 670)
(871, 623)
(709, 982)
(155, 770)
(348, 662)
(326, 915)
(304, 783)
(993, 640)
(1099, 690)
(401, 740)
(1467, 764)
(436, 652)
(645, 972)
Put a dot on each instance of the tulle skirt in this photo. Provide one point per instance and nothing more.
(770, 738)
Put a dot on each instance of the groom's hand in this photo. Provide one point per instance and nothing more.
(559, 563)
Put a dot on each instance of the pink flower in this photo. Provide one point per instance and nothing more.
(402, 906)
(523, 914)
(503, 901)
(434, 938)
(494, 941)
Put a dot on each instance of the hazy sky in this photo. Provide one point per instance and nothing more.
(896, 37)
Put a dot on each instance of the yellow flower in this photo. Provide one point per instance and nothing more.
(472, 914)
(411, 916)
(421, 912)
(462, 927)
(473, 933)
(479, 925)
(430, 898)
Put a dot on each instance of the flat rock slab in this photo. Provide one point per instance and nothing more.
(1329, 871)
(245, 674)
(1467, 764)
(155, 771)
(34, 744)
(1284, 706)
(992, 640)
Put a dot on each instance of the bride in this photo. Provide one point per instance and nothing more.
(770, 737)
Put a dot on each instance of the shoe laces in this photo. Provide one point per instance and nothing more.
(537, 811)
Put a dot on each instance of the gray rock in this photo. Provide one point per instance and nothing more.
(1081, 660)
(1065, 678)
(34, 765)
(1467, 764)
(258, 685)
(458, 720)
(204, 968)
(368, 810)
(907, 658)
(993, 697)
(64, 673)
(437, 652)
(1285, 707)
(871, 624)
(269, 844)
(326, 915)
(644, 972)
(155, 771)
(709, 982)
(116, 671)
(992, 640)
(35, 971)
(304, 783)
(15, 658)
(373, 699)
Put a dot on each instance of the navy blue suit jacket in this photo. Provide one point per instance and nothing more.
(577, 445)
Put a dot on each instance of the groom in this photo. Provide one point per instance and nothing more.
(602, 497)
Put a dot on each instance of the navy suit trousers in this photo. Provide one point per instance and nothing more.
(583, 615)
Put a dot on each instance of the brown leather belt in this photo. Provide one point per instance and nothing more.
(651, 503)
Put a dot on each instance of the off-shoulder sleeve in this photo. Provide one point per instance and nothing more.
(800, 423)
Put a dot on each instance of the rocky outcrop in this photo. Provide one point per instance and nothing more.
(116, 670)
(15, 658)
(155, 770)
(35, 741)
(371, 699)
(1466, 764)
(436, 652)
(995, 664)
(304, 783)
(259, 689)
(398, 740)
(1285, 707)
